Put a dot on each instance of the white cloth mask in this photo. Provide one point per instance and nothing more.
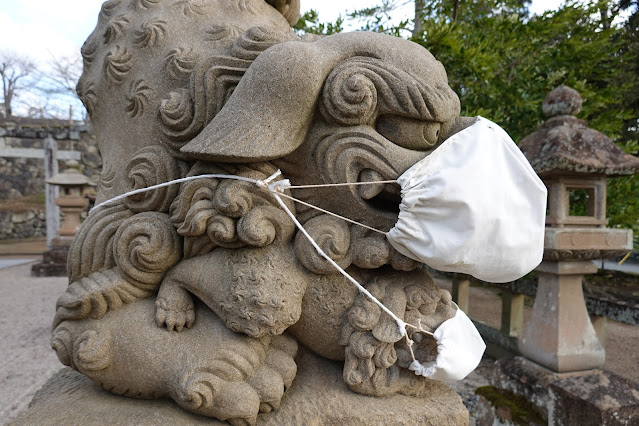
(473, 206)
(459, 350)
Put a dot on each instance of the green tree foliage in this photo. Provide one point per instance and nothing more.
(503, 66)
(502, 62)
(309, 23)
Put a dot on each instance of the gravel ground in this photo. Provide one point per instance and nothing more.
(27, 360)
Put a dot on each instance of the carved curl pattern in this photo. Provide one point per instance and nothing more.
(185, 112)
(228, 213)
(107, 176)
(92, 247)
(342, 155)
(147, 4)
(88, 51)
(365, 353)
(256, 40)
(359, 89)
(151, 166)
(333, 236)
(146, 247)
(108, 7)
(92, 350)
(262, 225)
(88, 96)
(151, 33)
(559, 255)
(117, 63)
(180, 62)
(260, 301)
(193, 7)
(95, 295)
(374, 347)
(221, 32)
(200, 389)
(138, 98)
(62, 344)
(370, 250)
(116, 28)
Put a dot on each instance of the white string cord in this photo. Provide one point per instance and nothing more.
(277, 188)
(261, 183)
(173, 182)
(326, 185)
(330, 213)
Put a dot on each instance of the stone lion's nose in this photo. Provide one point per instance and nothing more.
(454, 126)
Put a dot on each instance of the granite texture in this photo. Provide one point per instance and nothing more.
(565, 143)
(72, 399)
(201, 292)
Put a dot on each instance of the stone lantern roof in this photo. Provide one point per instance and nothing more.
(71, 176)
(563, 143)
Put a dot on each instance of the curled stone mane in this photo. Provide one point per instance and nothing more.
(200, 292)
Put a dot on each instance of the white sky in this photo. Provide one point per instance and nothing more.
(41, 28)
(44, 29)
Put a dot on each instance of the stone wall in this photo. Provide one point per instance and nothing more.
(28, 224)
(22, 154)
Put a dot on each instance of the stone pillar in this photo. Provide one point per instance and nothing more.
(559, 334)
(461, 291)
(51, 191)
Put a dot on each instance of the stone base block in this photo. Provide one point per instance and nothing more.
(318, 396)
(593, 397)
(54, 263)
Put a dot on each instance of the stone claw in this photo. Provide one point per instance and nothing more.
(174, 308)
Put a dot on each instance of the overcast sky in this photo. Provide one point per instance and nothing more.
(41, 28)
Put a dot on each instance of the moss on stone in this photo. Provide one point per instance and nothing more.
(522, 411)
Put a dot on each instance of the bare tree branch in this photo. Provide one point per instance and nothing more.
(18, 72)
(64, 75)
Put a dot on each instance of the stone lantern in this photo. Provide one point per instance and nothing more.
(72, 204)
(574, 162)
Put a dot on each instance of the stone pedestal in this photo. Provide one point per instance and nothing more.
(559, 334)
(594, 397)
(54, 262)
(318, 396)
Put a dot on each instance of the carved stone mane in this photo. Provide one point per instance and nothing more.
(212, 272)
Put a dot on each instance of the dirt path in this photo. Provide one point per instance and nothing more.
(26, 359)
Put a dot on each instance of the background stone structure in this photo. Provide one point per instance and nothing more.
(22, 168)
(22, 224)
(21, 152)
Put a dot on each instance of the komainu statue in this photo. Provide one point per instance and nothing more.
(202, 291)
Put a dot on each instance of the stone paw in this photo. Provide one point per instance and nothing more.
(276, 375)
(228, 390)
(174, 309)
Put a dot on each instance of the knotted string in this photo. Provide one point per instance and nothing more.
(277, 190)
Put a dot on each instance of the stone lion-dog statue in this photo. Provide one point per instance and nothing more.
(201, 291)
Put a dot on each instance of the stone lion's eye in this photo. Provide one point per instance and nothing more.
(408, 132)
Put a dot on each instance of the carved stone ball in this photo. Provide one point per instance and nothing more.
(563, 100)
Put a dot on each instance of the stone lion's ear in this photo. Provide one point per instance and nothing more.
(270, 111)
(290, 9)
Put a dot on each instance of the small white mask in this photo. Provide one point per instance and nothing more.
(473, 206)
(459, 350)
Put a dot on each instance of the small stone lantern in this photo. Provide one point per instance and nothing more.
(574, 162)
(71, 200)
(72, 204)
